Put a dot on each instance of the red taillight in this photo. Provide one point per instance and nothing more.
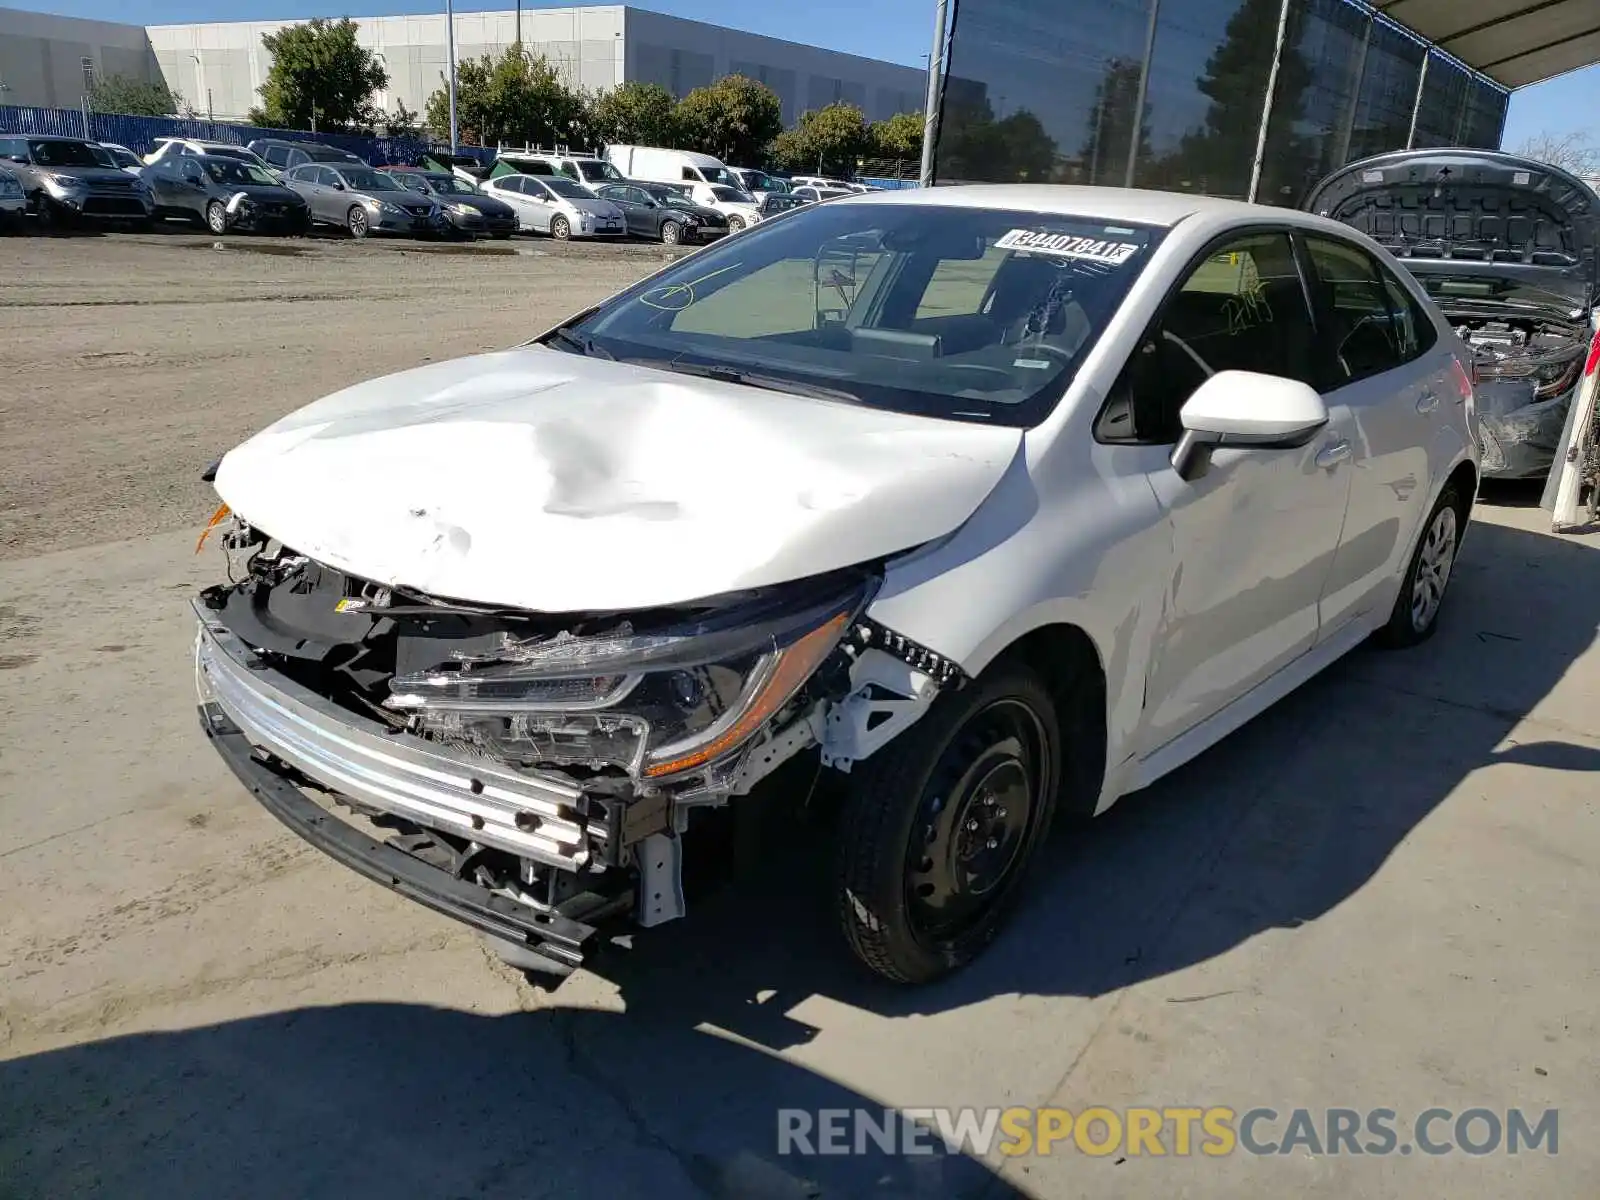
(1466, 378)
(1590, 367)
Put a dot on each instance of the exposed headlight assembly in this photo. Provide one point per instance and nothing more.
(1557, 377)
(655, 704)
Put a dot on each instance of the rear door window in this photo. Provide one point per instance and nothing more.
(1364, 335)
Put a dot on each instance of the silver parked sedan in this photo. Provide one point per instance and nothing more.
(558, 206)
(364, 200)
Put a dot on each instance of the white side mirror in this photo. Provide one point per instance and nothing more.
(1246, 408)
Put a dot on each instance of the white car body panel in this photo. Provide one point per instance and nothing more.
(635, 488)
(1205, 600)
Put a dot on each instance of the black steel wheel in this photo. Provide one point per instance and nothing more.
(941, 825)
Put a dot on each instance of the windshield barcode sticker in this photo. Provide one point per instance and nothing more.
(1066, 245)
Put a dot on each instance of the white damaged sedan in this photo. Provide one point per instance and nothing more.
(997, 503)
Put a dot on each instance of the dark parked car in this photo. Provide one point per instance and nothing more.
(660, 212)
(469, 210)
(283, 154)
(225, 193)
(364, 200)
(68, 178)
(1509, 249)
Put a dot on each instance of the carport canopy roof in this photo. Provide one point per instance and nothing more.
(1516, 42)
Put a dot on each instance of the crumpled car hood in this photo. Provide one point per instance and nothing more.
(536, 479)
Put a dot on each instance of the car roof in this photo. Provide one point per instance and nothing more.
(50, 137)
(1163, 209)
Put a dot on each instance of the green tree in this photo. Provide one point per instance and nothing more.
(133, 97)
(1105, 151)
(517, 98)
(827, 140)
(1218, 156)
(402, 122)
(898, 137)
(974, 147)
(636, 114)
(735, 119)
(321, 78)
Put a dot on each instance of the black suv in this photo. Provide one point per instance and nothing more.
(1509, 249)
(67, 178)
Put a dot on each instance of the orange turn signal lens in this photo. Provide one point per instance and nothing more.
(217, 518)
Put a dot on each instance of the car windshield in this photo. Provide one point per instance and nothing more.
(365, 179)
(665, 194)
(719, 175)
(732, 195)
(68, 154)
(780, 202)
(447, 185)
(960, 313)
(330, 154)
(562, 186)
(595, 169)
(233, 171)
(122, 158)
(233, 152)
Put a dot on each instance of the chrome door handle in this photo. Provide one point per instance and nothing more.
(1332, 455)
(1428, 401)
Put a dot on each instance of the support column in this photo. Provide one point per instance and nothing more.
(1144, 86)
(1416, 105)
(1266, 104)
(1348, 129)
(931, 106)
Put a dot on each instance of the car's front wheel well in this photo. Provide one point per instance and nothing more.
(1067, 661)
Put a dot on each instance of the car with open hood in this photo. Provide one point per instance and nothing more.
(558, 206)
(1509, 249)
(965, 508)
(364, 200)
(70, 179)
(225, 194)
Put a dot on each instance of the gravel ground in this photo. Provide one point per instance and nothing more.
(133, 361)
(1381, 894)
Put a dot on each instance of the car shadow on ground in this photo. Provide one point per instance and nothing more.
(1270, 830)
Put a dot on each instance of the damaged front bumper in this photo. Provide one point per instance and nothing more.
(284, 740)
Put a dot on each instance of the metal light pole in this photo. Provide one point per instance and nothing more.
(450, 42)
(930, 110)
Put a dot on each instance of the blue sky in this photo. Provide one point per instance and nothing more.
(897, 30)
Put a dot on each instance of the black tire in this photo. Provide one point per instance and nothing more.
(1416, 610)
(735, 224)
(560, 229)
(356, 222)
(946, 790)
(216, 217)
(500, 237)
(671, 233)
(51, 217)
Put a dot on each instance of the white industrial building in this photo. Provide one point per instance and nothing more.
(219, 67)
